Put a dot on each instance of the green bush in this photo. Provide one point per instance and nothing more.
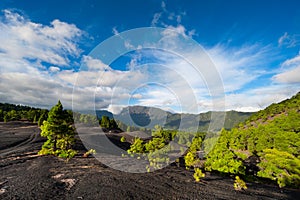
(239, 184)
(189, 159)
(68, 154)
(123, 139)
(137, 147)
(198, 175)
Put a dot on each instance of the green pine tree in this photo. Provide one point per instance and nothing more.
(59, 132)
(105, 122)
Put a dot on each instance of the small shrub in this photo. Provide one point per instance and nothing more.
(198, 174)
(123, 139)
(45, 152)
(89, 152)
(239, 184)
(68, 154)
(189, 160)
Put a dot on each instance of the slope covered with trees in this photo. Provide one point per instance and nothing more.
(266, 145)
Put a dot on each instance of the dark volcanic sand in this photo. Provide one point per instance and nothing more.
(24, 175)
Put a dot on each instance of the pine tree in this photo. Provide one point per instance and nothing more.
(60, 133)
(105, 122)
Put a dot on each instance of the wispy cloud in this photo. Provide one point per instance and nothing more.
(155, 19)
(166, 18)
(239, 66)
(115, 31)
(289, 40)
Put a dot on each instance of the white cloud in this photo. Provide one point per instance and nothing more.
(291, 71)
(115, 109)
(135, 58)
(105, 85)
(22, 39)
(54, 69)
(174, 31)
(161, 98)
(34, 90)
(259, 98)
(292, 61)
(291, 76)
(25, 46)
(137, 96)
(94, 64)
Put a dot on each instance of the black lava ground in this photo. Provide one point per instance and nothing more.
(24, 175)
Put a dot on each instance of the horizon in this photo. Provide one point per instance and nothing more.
(46, 54)
(172, 112)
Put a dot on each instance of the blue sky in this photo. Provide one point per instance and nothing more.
(254, 46)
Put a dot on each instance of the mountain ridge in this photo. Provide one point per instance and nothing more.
(148, 117)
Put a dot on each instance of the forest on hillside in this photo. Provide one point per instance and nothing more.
(267, 145)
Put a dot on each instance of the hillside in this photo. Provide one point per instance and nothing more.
(266, 145)
(148, 117)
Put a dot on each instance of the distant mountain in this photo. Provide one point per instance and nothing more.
(148, 117)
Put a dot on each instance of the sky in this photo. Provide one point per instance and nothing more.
(182, 56)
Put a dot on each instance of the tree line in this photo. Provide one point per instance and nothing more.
(11, 112)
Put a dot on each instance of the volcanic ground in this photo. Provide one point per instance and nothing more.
(26, 175)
